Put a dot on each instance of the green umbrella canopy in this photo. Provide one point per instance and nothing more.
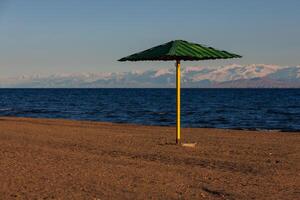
(180, 50)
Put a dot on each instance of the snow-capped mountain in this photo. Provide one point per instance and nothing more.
(236, 72)
(255, 76)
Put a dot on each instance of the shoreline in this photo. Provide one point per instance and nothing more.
(66, 159)
(167, 126)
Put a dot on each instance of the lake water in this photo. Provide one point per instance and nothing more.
(252, 109)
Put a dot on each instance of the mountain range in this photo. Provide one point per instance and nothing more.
(229, 76)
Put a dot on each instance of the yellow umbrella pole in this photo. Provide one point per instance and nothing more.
(177, 101)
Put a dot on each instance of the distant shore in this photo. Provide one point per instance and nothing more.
(63, 159)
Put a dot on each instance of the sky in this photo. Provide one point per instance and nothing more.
(72, 36)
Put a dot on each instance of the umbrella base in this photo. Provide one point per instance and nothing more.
(190, 145)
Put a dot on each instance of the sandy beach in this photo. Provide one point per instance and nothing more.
(61, 159)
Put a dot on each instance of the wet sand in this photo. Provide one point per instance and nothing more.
(60, 159)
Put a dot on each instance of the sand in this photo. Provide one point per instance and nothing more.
(60, 159)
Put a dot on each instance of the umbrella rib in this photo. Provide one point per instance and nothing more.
(185, 48)
(207, 54)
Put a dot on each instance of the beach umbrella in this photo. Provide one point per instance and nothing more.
(178, 50)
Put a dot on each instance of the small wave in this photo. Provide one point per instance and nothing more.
(37, 111)
(159, 113)
(5, 109)
(267, 130)
(164, 120)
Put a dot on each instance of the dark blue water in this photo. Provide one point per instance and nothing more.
(271, 109)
